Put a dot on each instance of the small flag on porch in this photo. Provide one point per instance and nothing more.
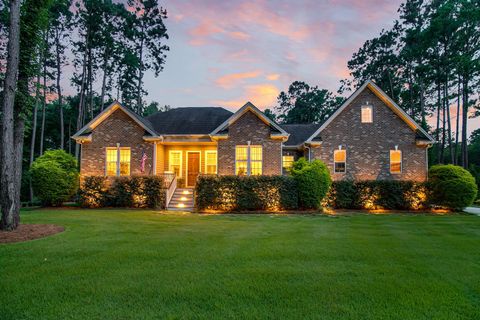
(144, 159)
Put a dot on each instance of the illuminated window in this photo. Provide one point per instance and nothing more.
(248, 160)
(125, 161)
(287, 162)
(117, 161)
(211, 162)
(175, 162)
(111, 161)
(340, 161)
(395, 161)
(367, 114)
(256, 160)
(241, 159)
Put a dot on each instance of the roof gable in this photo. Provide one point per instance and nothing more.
(246, 108)
(102, 116)
(384, 98)
(188, 120)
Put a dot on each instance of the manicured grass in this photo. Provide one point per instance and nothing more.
(128, 264)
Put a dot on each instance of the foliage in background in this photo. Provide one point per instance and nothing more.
(303, 103)
(54, 177)
(313, 181)
(134, 191)
(452, 186)
(238, 193)
(377, 194)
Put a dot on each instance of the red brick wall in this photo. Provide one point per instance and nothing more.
(117, 128)
(250, 128)
(368, 144)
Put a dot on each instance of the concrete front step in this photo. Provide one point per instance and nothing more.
(182, 200)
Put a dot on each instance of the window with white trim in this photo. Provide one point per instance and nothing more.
(117, 161)
(248, 160)
(211, 162)
(287, 162)
(340, 161)
(367, 114)
(395, 161)
(175, 162)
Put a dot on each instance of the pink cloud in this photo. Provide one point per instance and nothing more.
(230, 80)
(261, 95)
(273, 76)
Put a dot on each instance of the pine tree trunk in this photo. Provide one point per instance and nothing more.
(439, 106)
(42, 130)
(140, 76)
(59, 89)
(449, 122)
(104, 79)
(8, 189)
(457, 121)
(34, 127)
(82, 98)
(464, 124)
(422, 105)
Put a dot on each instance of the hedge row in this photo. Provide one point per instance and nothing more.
(134, 191)
(378, 194)
(238, 193)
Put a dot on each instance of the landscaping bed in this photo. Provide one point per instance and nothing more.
(29, 232)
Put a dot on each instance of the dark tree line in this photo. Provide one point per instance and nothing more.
(429, 63)
(110, 45)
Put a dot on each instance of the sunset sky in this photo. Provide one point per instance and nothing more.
(224, 53)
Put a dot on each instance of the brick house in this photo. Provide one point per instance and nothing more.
(368, 137)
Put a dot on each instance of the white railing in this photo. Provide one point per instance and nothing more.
(171, 189)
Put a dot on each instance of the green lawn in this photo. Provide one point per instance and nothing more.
(128, 264)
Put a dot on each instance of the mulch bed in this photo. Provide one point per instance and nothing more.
(26, 232)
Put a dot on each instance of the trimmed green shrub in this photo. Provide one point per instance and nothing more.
(452, 186)
(240, 193)
(54, 177)
(94, 192)
(313, 181)
(130, 192)
(378, 194)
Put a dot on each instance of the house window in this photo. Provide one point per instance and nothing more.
(241, 159)
(340, 161)
(211, 162)
(256, 160)
(118, 161)
(248, 160)
(287, 162)
(395, 161)
(367, 114)
(175, 162)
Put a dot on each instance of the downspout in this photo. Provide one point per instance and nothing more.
(307, 147)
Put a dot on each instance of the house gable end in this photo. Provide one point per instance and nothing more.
(276, 130)
(387, 102)
(85, 132)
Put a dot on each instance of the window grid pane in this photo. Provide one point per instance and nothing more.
(395, 161)
(340, 161)
(125, 162)
(176, 162)
(211, 162)
(241, 168)
(111, 155)
(288, 161)
(367, 114)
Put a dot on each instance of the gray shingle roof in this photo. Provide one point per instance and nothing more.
(299, 133)
(194, 120)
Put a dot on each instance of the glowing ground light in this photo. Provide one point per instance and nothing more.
(180, 205)
(186, 192)
(183, 199)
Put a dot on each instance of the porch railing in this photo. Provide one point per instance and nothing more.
(170, 184)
